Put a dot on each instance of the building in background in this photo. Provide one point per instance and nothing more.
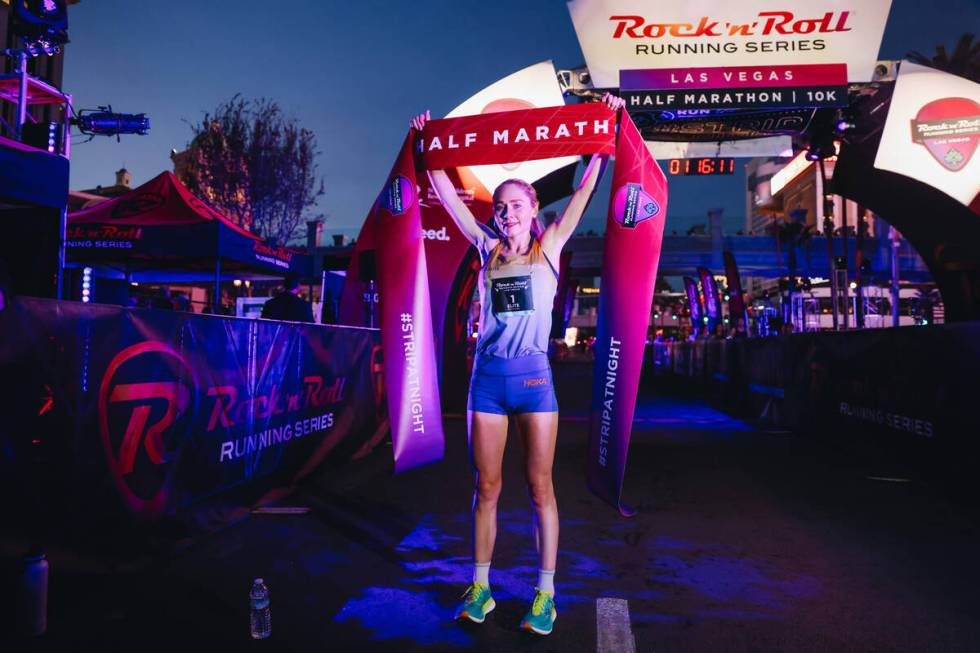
(83, 199)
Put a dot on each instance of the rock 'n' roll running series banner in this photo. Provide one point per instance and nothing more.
(736, 303)
(694, 301)
(712, 301)
(149, 414)
(634, 233)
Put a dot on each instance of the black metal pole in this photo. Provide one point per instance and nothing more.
(858, 263)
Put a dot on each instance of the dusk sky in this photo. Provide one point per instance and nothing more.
(354, 73)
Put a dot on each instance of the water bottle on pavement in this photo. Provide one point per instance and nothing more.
(261, 617)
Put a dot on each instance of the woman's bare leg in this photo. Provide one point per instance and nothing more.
(539, 432)
(488, 435)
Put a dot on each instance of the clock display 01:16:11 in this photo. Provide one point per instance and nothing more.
(701, 166)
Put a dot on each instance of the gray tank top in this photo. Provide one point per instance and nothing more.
(516, 299)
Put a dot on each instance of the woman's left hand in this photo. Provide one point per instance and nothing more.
(613, 102)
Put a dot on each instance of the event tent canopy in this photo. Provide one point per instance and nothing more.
(161, 227)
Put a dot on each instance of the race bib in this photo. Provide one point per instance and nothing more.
(512, 296)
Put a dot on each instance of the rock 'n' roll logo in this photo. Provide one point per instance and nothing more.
(398, 195)
(950, 129)
(144, 399)
(633, 205)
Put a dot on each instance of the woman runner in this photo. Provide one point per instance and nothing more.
(511, 372)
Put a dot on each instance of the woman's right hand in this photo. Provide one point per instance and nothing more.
(418, 122)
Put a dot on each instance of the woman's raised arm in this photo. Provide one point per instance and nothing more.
(558, 233)
(446, 190)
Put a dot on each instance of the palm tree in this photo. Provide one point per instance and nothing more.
(965, 60)
(793, 233)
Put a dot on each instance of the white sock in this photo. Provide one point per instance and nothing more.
(481, 573)
(546, 581)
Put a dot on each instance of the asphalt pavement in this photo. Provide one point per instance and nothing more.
(744, 540)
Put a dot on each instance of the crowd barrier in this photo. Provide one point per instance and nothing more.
(907, 383)
(141, 413)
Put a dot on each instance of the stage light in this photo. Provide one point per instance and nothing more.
(237, 283)
(705, 319)
(86, 284)
(43, 24)
(846, 120)
(105, 122)
(673, 317)
(47, 136)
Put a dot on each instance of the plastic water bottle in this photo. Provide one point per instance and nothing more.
(32, 602)
(261, 616)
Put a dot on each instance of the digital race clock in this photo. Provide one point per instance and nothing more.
(701, 166)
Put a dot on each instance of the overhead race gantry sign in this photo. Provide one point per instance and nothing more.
(735, 87)
(618, 35)
(709, 71)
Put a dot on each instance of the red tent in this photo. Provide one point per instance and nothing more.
(162, 227)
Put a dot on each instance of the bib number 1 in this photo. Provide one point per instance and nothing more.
(512, 296)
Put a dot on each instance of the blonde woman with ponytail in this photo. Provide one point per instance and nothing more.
(511, 373)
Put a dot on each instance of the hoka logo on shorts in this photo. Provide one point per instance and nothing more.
(633, 205)
(531, 383)
(398, 196)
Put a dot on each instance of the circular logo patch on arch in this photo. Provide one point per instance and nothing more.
(398, 196)
(632, 205)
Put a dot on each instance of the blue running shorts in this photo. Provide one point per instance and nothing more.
(509, 386)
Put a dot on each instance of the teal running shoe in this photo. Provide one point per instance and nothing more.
(477, 603)
(542, 615)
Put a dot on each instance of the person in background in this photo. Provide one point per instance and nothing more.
(161, 299)
(288, 305)
(328, 309)
(181, 301)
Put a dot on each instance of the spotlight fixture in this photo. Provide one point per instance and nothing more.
(846, 120)
(42, 24)
(105, 122)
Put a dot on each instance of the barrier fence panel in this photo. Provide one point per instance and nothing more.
(157, 413)
(917, 382)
